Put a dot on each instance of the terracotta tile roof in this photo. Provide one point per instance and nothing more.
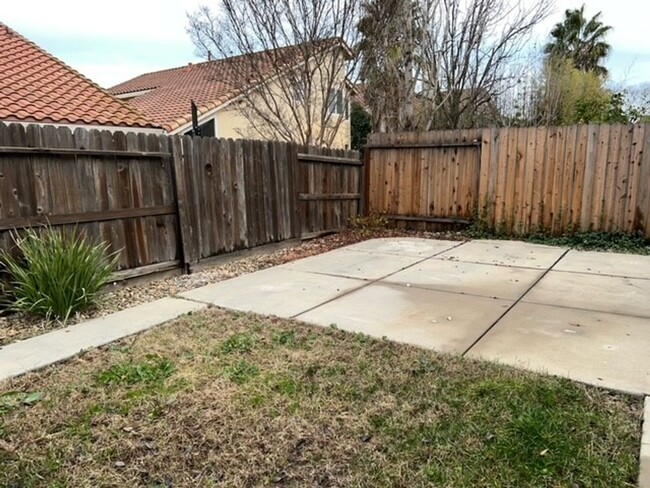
(37, 87)
(210, 84)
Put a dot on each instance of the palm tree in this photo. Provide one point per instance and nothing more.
(581, 40)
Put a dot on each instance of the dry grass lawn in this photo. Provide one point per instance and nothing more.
(229, 399)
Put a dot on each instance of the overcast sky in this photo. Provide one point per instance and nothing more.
(113, 41)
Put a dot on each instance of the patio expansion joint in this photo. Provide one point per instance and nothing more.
(425, 288)
(372, 282)
(608, 312)
(514, 304)
(607, 275)
(483, 263)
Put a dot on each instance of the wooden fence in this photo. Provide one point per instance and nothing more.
(516, 180)
(330, 188)
(170, 201)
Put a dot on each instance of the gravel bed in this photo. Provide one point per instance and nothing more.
(16, 327)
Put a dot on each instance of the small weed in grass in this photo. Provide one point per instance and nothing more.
(152, 370)
(286, 386)
(284, 338)
(241, 372)
(14, 399)
(238, 343)
(334, 370)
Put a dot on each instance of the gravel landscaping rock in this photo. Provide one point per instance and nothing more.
(16, 327)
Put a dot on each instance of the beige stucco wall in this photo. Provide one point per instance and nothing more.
(231, 123)
(234, 121)
(342, 138)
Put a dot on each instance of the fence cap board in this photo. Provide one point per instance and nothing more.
(329, 196)
(317, 158)
(424, 145)
(60, 151)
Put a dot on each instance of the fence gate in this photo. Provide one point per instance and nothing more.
(330, 189)
(430, 177)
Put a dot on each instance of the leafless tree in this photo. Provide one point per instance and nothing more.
(388, 68)
(463, 53)
(293, 60)
(471, 54)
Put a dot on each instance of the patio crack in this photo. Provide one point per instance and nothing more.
(498, 319)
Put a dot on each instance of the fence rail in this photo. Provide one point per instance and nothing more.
(167, 201)
(517, 180)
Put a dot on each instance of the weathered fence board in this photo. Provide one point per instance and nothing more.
(171, 199)
(330, 188)
(112, 186)
(517, 180)
(434, 175)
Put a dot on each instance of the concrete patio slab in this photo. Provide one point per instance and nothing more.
(275, 291)
(612, 264)
(437, 320)
(352, 264)
(46, 349)
(506, 253)
(405, 246)
(597, 348)
(629, 296)
(468, 278)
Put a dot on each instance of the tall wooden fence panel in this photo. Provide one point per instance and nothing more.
(557, 179)
(167, 201)
(235, 194)
(426, 177)
(330, 187)
(239, 194)
(115, 187)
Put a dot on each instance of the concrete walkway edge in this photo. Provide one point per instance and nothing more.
(46, 349)
(644, 457)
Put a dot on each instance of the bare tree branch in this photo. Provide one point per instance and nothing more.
(463, 52)
(294, 52)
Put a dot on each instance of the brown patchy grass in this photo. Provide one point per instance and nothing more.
(230, 399)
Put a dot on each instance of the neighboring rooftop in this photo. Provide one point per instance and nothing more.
(37, 87)
(165, 96)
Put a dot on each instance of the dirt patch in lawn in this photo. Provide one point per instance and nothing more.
(16, 327)
(232, 399)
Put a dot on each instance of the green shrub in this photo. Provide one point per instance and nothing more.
(369, 224)
(55, 276)
(597, 241)
(614, 241)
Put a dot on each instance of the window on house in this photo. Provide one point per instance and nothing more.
(338, 104)
(299, 93)
(207, 129)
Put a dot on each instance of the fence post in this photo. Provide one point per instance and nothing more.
(186, 235)
(365, 183)
(295, 169)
